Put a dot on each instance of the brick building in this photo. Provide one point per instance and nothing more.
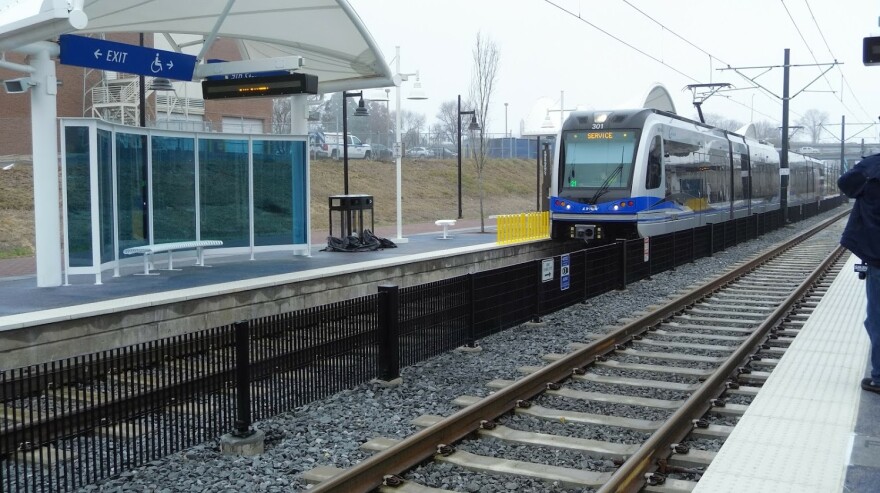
(84, 92)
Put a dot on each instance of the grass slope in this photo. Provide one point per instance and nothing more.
(430, 192)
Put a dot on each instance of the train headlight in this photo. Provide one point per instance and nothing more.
(600, 117)
(616, 207)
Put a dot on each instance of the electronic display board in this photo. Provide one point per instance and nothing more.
(252, 87)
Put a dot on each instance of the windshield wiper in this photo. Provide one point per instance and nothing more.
(606, 184)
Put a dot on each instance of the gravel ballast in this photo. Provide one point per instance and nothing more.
(328, 432)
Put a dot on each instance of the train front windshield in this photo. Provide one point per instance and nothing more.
(598, 159)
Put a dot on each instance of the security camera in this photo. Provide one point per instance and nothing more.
(18, 86)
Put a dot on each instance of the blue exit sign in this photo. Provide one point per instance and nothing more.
(120, 57)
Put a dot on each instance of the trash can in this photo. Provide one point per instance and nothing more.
(351, 210)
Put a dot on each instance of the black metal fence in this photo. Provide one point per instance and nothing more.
(69, 423)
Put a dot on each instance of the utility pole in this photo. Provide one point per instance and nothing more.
(786, 98)
(783, 161)
(842, 141)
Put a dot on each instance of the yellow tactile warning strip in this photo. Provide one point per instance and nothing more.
(797, 434)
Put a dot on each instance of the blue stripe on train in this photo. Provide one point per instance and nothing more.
(629, 205)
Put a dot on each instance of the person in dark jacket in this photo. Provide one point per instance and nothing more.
(862, 238)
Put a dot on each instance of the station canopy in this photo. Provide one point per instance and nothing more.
(328, 34)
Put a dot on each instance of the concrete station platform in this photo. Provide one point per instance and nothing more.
(45, 324)
(811, 428)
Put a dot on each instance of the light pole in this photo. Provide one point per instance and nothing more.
(360, 111)
(473, 126)
(562, 109)
(505, 129)
(417, 94)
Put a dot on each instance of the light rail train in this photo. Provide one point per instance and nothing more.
(634, 173)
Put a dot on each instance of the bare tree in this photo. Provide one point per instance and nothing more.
(719, 121)
(411, 125)
(448, 126)
(812, 121)
(767, 131)
(381, 126)
(281, 116)
(483, 78)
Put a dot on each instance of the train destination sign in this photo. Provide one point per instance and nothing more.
(625, 135)
(277, 85)
(130, 59)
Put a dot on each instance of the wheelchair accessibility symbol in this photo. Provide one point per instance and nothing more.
(156, 66)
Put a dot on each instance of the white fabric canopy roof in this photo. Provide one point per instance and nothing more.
(329, 35)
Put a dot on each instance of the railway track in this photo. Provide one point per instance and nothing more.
(675, 378)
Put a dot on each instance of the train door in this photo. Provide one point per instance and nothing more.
(741, 196)
(746, 174)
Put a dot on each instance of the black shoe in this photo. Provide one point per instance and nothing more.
(871, 385)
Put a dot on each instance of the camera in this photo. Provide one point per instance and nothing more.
(862, 270)
(18, 86)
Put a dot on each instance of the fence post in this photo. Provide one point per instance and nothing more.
(623, 243)
(539, 290)
(472, 306)
(586, 274)
(244, 440)
(243, 380)
(389, 355)
(711, 239)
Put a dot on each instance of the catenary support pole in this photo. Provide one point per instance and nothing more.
(842, 146)
(783, 164)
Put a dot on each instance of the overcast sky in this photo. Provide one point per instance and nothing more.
(559, 45)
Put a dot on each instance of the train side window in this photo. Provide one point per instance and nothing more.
(655, 160)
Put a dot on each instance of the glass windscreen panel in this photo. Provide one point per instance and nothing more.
(79, 196)
(131, 190)
(224, 196)
(105, 193)
(174, 189)
(598, 159)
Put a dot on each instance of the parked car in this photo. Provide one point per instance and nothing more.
(317, 146)
(382, 153)
(356, 148)
(444, 152)
(420, 152)
(808, 150)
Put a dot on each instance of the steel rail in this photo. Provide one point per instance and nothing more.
(630, 477)
(369, 474)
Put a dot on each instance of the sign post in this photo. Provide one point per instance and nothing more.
(130, 59)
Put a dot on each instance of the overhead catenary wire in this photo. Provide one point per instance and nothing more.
(642, 52)
(842, 75)
(760, 89)
(813, 55)
(701, 50)
(619, 39)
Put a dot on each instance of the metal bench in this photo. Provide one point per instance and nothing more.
(446, 223)
(149, 250)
